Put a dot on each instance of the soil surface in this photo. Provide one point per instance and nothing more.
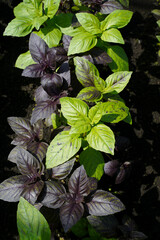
(142, 95)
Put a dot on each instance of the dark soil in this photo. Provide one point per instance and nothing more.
(141, 192)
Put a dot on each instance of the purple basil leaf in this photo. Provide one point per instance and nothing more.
(43, 110)
(32, 189)
(21, 140)
(38, 48)
(111, 167)
(61, 55)
(110, 6)
(41, 95)
(66, 42)
(50, 59)
(78, 182)
(105, 225)
(52, 83)
(70, 214)
(12, 188)
(53, 194)
(63, 170)
(104, 203)
(93, 183)
(64, 72)
(38, 148)
(12, 157)
(100, 56)
(33, 71)
(122, 143)
(20, 126)
(27, 163)
(38, 129)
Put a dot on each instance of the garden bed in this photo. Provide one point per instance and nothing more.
(140, 193)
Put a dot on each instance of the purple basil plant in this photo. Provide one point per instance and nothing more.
(54, 83)
(82, 195)
(33, 178)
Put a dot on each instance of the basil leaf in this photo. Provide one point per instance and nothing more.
(89, 22)
(62, 148)
(82, 42)
(112, 35)
(85, 71)
(119, 58)
(24, 60)
(117, 81)
(93, 163)
(31, 223)
(74, 110)
(19, 27)
(80, 128)
(101, 138)
(51, 36)
(116, 19)
(99, 83)
(90, 94)
(51, 7)
(114, 112)
(96, 112)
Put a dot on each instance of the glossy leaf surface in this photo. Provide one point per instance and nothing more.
(89, 22)
(101, 138)
(74, 110)
(104, 203)
(116, 19)
(82, 43)
(116, 82)
(62, 148)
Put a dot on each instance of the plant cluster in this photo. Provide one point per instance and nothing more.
(78, 101)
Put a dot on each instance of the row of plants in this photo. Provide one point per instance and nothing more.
(65, 148)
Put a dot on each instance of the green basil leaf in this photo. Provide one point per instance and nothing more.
(24, 60)
(117, 81)
(82, 42)
(90, 94)
(93, 162)
(51, 36)
(85, 71)
(31, 223)
(128, 119)
(114, 112)
(112, 35)
(38, 21)
(99, 83)
(89, 22)
(62, 148)
(80, 128)
(74, 110)
(51, 7)
(28, 9)
(19, 27)
(119, 58)
(116, 19)
(101, 138)
(97, 111)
